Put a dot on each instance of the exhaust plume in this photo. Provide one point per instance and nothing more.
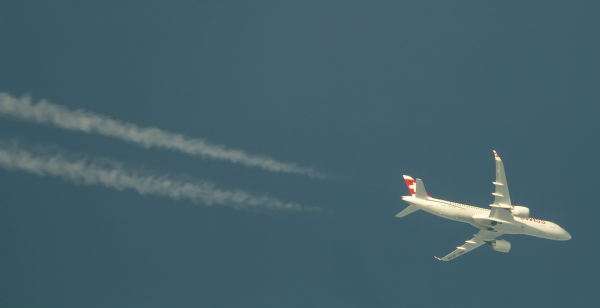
(45, 112)
(111, 174)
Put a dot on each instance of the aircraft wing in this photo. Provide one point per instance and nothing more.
(482, 237)
(501, 206)
(501, 195)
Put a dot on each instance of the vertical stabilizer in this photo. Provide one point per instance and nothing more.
(410, 182)
(420, 192)
(412, 186)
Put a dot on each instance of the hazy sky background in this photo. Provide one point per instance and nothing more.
(364, 91)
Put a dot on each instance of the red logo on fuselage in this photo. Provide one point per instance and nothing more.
(539, 221)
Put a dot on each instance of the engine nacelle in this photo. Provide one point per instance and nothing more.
(520, 211)
(501, 245)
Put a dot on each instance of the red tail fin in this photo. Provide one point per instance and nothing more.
(411, 183)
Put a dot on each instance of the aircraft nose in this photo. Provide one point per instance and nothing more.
(565, 236)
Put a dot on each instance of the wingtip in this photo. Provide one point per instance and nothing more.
(496, 155)
(437, 258)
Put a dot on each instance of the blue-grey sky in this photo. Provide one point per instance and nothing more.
(362, 91)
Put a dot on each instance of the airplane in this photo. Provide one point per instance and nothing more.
(502, 218)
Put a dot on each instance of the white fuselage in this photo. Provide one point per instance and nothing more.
(476, 216)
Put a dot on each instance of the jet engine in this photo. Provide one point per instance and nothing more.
(501, 245)
(520, 211)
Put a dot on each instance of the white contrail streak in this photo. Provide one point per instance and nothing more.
(113, 175)
(45, 112)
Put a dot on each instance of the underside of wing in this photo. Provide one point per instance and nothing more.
(482, 237)
(501, 194)
(502, 205)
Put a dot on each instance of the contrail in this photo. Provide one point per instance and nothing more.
(45, 112)
(112, 175)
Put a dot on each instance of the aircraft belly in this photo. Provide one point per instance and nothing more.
(450, 212)
(508, 229)
(537, 232)
(435, 210)
(465, 216)
(465, 219)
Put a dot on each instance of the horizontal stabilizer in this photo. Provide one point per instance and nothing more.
(409, 209)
